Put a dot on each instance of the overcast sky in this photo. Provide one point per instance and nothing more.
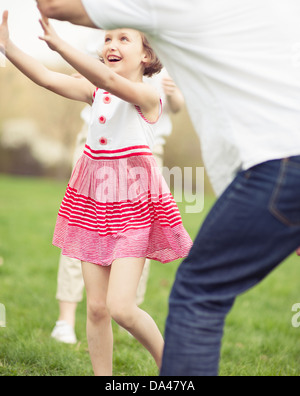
(25, 28)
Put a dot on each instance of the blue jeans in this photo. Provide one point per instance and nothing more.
(253, 227)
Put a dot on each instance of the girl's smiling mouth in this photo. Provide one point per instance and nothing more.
(114, 58)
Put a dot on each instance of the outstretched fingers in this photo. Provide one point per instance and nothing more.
(44, 22)
(5, 18)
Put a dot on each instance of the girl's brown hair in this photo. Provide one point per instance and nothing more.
(154, 66)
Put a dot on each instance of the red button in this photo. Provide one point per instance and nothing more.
(107, 99)
(102, 120)
(103, 141)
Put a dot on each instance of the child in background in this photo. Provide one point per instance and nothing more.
(117, 210)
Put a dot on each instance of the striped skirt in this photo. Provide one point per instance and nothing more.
(118, 205)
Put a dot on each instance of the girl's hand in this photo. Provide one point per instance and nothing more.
(50, 36)
(169, 86)
(4, 32)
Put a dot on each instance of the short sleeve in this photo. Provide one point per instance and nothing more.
(113, 14)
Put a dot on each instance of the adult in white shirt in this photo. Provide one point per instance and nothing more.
(237, 64)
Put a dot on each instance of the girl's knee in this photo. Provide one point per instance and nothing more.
(97, 311)
(121, 313)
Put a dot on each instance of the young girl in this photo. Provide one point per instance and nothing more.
(117, 210)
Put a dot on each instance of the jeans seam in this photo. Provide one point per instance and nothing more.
(213, 218)
(272, 205)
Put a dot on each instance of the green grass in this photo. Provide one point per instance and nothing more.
(259, 338)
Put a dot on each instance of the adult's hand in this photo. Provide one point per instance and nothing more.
(65, 10)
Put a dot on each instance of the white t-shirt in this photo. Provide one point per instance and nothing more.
(237, 63)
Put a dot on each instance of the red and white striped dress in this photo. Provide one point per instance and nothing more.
(117, 203)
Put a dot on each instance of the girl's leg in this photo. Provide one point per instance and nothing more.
(99, 330)
(121, 301)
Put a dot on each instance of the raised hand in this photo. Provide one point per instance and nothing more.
(4, 32)
(168, 86)
(50, 36)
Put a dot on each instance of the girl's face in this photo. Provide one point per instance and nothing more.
(124, 53)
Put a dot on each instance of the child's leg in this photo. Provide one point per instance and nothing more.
(121, 301)
(99, 330)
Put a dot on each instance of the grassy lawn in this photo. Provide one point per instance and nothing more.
(259, 338)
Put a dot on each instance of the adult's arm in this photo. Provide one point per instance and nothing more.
(65, 10)
(103, 14)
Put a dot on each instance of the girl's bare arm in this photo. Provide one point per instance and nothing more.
(61, 84)
(100, 75)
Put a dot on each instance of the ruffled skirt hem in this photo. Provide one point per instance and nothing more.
(120, 208)
(155, 243)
